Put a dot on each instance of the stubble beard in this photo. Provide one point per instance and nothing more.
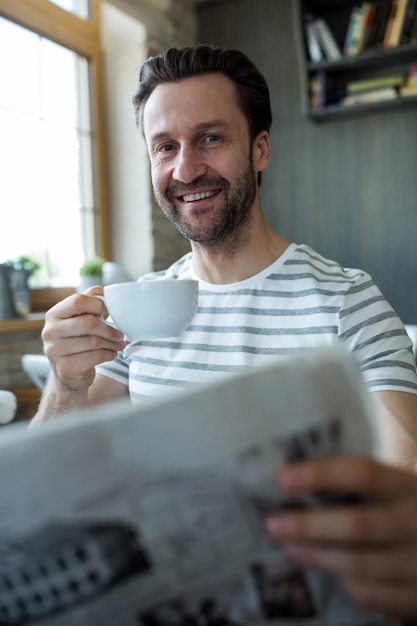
(228, 224)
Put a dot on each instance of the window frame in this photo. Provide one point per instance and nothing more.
(83, 37)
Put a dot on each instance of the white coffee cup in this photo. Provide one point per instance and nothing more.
(151, 309)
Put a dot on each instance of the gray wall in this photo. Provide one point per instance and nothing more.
(347, 187)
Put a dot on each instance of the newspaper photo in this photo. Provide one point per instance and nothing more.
(153, 515)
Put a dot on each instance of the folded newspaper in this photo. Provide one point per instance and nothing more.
(153, 515)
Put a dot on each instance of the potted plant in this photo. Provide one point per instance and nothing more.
(26, 264)
(21, 269)
(91, 273)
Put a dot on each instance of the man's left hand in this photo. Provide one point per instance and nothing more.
(372, 546)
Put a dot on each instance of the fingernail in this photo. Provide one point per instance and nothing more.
(293, 551)
(275, 525)
(291, 477)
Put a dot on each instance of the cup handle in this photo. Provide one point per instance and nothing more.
(106, 321)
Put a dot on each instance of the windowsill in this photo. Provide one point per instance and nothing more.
(41, 301)
(31, 322)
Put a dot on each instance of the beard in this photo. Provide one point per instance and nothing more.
(227, 223)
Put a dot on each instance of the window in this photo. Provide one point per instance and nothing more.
(51, 160)
(78, 7)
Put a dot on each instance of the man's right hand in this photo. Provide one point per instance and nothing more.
(76, 339)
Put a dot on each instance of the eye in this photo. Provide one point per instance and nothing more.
(168, 147)
(163, 152)
(211, 138)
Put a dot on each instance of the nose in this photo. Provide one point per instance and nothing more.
(188, 165)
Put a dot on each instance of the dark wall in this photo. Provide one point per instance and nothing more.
(348, 187)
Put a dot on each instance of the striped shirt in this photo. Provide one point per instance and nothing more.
(301, 301)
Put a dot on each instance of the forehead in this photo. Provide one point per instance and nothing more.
(191, 102)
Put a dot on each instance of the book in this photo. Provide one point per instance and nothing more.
(312, 42)
(408, 22)
(352, 30)
(363, 19)
(358, 86)
(375, 95)
(395, 23)
(318, 91)
(408, 90)
(327, 40)
(376, 37)
(413, 29)
(411, 79)
(369, 19)
(363, 29)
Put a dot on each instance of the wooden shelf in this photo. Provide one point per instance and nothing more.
(370, 59)
(32, 322)
(340, 110)
(328, 81)
(40, 301)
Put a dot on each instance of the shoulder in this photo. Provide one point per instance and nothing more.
(182, 268)
(306, 258)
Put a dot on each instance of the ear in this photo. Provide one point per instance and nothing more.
(261, 151)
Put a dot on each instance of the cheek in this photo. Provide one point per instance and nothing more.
(224, 165)
(160, 179)
(234, 171)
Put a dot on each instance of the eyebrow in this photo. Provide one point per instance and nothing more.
(203, 126)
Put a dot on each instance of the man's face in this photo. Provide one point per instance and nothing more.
(203, 169)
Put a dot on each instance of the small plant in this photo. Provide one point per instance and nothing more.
(26, 263)
(92, 267)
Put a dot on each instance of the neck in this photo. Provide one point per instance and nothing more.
(232, 263)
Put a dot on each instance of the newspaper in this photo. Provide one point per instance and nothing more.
(154, 515)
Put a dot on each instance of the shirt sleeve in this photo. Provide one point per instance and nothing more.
(373, 332)
(117, 370)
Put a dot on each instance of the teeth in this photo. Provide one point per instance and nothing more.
(191, 197)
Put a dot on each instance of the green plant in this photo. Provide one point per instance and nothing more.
(24, 262)
(92, 267)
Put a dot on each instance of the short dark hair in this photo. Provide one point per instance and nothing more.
(176, 64)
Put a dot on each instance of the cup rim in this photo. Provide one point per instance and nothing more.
(188, 281)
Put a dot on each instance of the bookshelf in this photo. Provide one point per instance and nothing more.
(380, 75)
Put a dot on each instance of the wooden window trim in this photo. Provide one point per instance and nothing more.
(82, 36)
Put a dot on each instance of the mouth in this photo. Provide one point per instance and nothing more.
(194, 197)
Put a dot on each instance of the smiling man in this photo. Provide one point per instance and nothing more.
(205, 115)
(203, 162)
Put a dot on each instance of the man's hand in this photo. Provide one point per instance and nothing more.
(76, 339)
(372, 546)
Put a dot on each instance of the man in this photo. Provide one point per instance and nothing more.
(205, 116)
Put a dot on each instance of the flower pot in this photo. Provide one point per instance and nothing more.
(88, 281)
(19, 283)
(7, 307)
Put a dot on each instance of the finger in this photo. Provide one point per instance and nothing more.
(96, 290)
(348, 475)
(349, 525)
(75, 366)
(80, 345)
(85, 325)
(398, 601)
(74, 305)
(394, 565)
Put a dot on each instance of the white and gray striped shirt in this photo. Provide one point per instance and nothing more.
(301, 301)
